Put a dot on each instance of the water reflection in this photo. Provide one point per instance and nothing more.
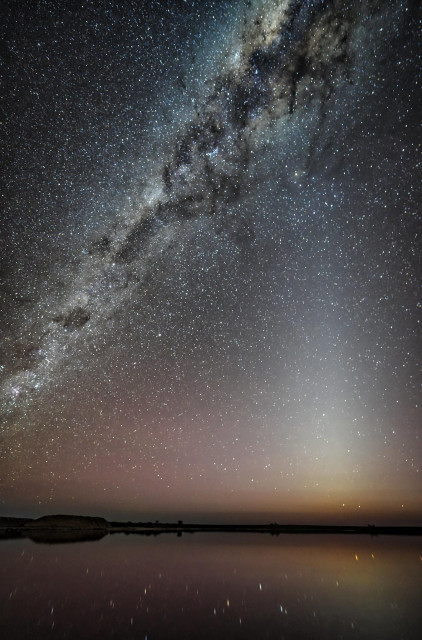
(212, 586)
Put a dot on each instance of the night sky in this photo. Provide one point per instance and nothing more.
(210, 259)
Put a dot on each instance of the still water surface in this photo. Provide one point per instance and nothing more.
(207, 585)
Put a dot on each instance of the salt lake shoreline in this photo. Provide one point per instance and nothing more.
(88, 527)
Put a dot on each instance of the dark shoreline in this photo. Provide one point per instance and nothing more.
(273, 529)
(64, 528)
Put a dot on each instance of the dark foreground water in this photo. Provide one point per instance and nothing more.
(222, 586)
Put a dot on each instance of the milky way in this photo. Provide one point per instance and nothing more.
(210, 258)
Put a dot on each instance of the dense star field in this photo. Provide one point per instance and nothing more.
(210, 259)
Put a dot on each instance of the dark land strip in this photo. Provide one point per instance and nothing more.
(63, 528)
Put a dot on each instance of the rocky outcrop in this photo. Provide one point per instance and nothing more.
(54, 529)
(68, 522)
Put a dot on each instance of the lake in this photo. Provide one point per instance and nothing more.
(213, 585)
